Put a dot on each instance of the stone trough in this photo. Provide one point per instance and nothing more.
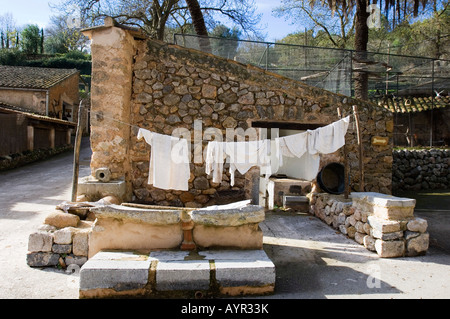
(150, 251)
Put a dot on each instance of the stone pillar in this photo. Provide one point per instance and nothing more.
(30, 137)
(51, 137)
(113, 49)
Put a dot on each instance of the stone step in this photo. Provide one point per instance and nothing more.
(177, 273)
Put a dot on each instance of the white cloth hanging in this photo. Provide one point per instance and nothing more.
(291, 146)
(214, 160)
(244, 155)
(308, 146)
(169, 161)
(330, 138)
(240, 155)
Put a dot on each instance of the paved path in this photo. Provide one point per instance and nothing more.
(27, 195)
(314, 261)
(311, 259)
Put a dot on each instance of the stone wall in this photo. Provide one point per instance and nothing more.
(421, 169)
(383, 224)
(62, 241)
(174, 87)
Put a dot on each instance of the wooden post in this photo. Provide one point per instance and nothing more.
(346, 189)
(76, 153)
(361, 164)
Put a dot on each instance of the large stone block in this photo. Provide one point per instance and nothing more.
(42, 259)
(182, 275)
(40, 241)
(121, 227)
(81, 243)
(384, 206)
(417, 225)
(60, 219)
(236, 276)
(119, 272)
(390, 248)
(382, 225)
(248, 236)
(417, 245)
(63, 236)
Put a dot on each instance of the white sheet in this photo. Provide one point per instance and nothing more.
(169, 161)
(244, 155)
(330, 138)
(214, 160)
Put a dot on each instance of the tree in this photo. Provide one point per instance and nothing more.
(152, 16)
(428, 37)
(362, 12)
(225, 48)
(31, 39)
(337, 26)
(8, 32)
(199, 24)
(64, 36)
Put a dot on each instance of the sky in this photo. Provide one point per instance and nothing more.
(38, 12)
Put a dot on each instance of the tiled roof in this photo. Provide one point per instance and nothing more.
(413, 104)
(32, 78)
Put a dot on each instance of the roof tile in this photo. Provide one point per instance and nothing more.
(32, 77)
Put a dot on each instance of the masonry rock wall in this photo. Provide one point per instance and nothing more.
(383, 224)
(174, 87)
(421, 169)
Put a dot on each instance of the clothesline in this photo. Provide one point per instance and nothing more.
(169, 159)
(268, 155)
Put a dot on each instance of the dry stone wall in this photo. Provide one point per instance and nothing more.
(383, 224)
(421, 169)
(62, 241)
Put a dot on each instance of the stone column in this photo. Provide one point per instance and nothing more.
(113, 49)
(30, 138)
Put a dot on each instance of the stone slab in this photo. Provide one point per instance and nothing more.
(384, 200)
(250, 271)
(182, 275)
(120, 272)
(42, 259)
(384, 206)
(226, 215)
(236, 272)
(158, 217)
(384, 226)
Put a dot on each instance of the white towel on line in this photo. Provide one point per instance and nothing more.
(308, 145)
(240, 155)
(169, 161)
(328, 139)
(214, 160)
(244, 155)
